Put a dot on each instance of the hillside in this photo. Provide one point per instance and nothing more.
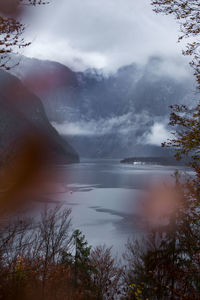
(22, 114)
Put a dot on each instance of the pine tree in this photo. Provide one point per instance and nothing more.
(80, 260)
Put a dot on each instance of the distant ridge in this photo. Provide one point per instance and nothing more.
(165, 161)
(108, 115)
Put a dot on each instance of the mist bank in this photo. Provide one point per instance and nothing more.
(115, 115)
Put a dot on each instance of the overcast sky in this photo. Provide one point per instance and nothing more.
(100, 33)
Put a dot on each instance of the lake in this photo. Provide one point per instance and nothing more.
(104, 196)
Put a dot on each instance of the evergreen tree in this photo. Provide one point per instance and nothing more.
(80, 260)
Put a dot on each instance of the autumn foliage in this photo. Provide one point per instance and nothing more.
(12, 29)
(166, 264)
(45, 259)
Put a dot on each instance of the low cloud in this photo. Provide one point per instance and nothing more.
(103, 34)
(157, 135)
(129, 124)
(120, 124)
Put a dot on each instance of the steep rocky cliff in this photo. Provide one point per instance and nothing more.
(22, 114)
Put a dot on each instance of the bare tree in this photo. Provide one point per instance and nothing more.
(53, 238)
(107, 273)
(30, 253)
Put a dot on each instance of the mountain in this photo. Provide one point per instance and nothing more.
(22, 115)
(117, 115)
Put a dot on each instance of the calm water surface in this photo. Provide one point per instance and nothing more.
(104, 196)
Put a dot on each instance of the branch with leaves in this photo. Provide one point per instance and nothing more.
(187, 12)
(12, 30)
(186, 141)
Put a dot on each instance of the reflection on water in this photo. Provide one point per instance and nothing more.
(104, 197)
